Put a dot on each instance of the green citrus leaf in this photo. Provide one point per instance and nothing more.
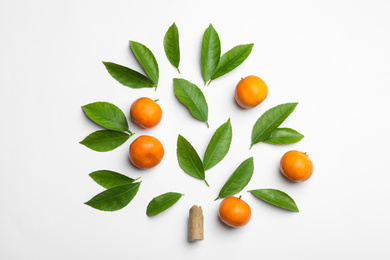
(127, 76)
(114, 198)
(276, 197)
(107, 115)
(146, 59)
(210, 54)
(189, 159)
(283, 136)
(162, 203)
(192, 97)
(171, 46)
(105, 140)
(218, 146)
(109, 179)
(270, 120)
(238, 180)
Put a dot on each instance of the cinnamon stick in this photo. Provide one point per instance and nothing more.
(195, 224)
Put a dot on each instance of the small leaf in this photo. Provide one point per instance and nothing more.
(127, 76)
(171, 46)
(238, 180)
(283, 136)
(211, 53)
(114, 198)
(105, 140)
(276, 197)
(162, 203)
(107, 115)
(189, 159)
(232, 59)
(218, 146)
(109, 179)
(270, 120)
(192, 97)
(146, 59)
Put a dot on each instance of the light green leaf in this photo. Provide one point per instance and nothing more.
(146, 59)
(210, 54)
(105, 140)
(283, 136)
(171, 46)
(276, 197)
(162, 203)
(109, 179)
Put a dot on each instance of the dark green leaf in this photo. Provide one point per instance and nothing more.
(232, 59)
(162, 203)
(211, 53)
(147, 60)
(238, 180)
(270, 120)
(105, 140)
(189, 159)
(128, 77)
(192, 97)
(277, 198)
(110, 179)
(171, 46)
(114, 198)
(283, 136)
(218, 146)
(107, 115)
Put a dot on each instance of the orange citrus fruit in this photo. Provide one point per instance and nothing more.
(145, 112)
(296, 166)
(250, 92)
(146, 152)
(234, 212)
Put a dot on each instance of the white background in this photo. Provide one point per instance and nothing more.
(331, 57)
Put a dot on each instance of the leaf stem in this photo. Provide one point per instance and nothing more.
(251, 146)
(131, 133)
(206, 183)
(209, 83)
(216, 198)
(207, 123)
(155, 87)
(137, 179)
(178, 70)
(155, 100)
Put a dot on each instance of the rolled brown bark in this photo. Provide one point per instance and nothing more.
(195, 224)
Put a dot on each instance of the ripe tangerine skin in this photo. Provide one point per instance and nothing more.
(234, 212)
(146, 152)
(250, 92)
(296, 166)
(145, 112)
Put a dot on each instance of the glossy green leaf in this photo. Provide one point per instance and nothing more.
(189, 159)
(109, 179)
(162, 203)
(114, 198)
(107, 115)
(210, 54)
(218, 146)
(146, 59)
(232, 59)
(128, 77)
(277, 198)
(192, 97)
(171, 46)
(283, 136)
(270, 120)
(105, 140)
(238, 180)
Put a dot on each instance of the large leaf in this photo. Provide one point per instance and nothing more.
(218, 146)
(171, 46)
(270, 120)
(105, 140)
(276, 197)
(114, 198)
(147, 60)
(162, 203)
(283, 136)
(192, 97)
(128, 77)
(238, 180)
(189, 159)
(109, 179)
(107, 115)
(210, 54)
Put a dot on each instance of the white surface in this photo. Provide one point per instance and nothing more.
(332, 58)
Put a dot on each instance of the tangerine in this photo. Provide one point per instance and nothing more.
(250, 92)
(146, 152)
(145, 112)
(296, 166)
(234, 212)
